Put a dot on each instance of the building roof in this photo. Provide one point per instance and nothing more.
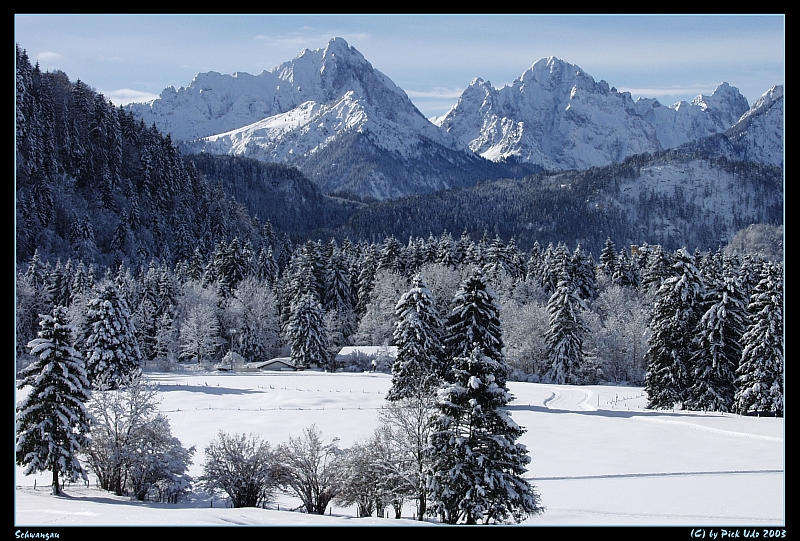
(287, 361)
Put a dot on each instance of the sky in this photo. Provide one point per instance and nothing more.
(432, 57)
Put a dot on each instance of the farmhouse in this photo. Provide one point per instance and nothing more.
(278, 363)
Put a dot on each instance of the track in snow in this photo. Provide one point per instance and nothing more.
(569, 398)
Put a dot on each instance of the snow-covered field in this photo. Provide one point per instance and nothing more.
(598, 457)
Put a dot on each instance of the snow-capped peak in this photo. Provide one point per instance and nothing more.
(726, 104)
(556, 115)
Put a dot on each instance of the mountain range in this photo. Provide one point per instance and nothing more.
(96, 183)
(352, 131)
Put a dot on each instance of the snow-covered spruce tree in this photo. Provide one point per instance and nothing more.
(759, 382)
(474, 321)
(583, 266)
(564, 335)
(476, 464)
(307, 333)
(624, 273)
(608, 258)
(657, 269)
(675, 316)
(717, 348)
(111, 350)
(418, 364)
(52, 421)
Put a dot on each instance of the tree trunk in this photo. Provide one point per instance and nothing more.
(56, 488)
(422, 506)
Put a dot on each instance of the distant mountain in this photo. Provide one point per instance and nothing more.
(676, 198)
(557, 116)
(328, 112)
(756, 137)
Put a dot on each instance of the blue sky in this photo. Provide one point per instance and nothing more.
(432, 57)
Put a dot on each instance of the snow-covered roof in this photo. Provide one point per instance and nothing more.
(287, 361)
(369, 350)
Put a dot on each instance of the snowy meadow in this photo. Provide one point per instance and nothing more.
(598, 456)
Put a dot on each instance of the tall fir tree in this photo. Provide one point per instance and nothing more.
(474, 321)
(476, 463)
(759, 383)
(111, 350)
(565, 333)
(676, 314)
(419, 362)
(608, 258)
(307, 333)
(52, 422)
(717, 348)
(583, 273)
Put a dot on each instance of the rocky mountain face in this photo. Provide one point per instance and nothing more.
(353, 132)
(557, 116)
(327, 103)
(757, 137)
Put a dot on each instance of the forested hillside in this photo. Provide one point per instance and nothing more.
(95, 184)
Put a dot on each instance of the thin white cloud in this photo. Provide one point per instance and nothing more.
(301, 40)
(124, 96)
(49, 56)
(670, 90)
(437, 92)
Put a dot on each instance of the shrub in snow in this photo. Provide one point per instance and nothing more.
(132, 448)
(243, 467)
(232, 360)
(308, 468)
(158, 464)
(361, 479)
(406, 425)
(52, 422)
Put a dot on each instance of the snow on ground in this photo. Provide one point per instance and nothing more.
(598, 457)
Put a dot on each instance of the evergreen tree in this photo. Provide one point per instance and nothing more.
(58, 285)
(474, 321)
(717, 349)
(657, 269)
(565, 333)
(112, 352)
(307, 333)
(476, 464)
(608, 258)
(624, 273)
(583, 272)
(338, 293)
(389, 256)
(366, 281)
(418, 364)
(759, 382)
(52, 420)
(675, 316)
